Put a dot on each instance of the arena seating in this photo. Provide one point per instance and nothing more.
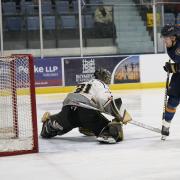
(169, 18)
(9, 8)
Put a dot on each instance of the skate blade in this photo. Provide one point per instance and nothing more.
(163, 137)
(106, 140)
(45, 117)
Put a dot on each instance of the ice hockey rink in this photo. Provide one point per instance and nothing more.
(141, 156)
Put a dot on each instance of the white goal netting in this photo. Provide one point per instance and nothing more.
(17, 122)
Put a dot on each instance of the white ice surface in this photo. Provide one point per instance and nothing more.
(141, 156)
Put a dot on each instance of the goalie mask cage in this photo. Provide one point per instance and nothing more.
(18, 121)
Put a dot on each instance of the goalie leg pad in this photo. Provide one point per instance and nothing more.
(51, 126)
(111, 134)
(86, 131)
(116, 131)
(47, 129)
(58, 124)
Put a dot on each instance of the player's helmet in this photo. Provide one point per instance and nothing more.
(103, 75)
(169, 30)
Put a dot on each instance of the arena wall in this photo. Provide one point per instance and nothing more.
(151, 73)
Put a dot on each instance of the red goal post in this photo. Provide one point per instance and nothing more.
(18, 120)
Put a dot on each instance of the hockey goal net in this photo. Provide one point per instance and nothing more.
(18, 122)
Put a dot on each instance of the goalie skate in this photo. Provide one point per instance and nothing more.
(106, 140)
(163, 137)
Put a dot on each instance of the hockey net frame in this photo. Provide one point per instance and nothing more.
(15, 90)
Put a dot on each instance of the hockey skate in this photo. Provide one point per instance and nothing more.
(165, 130)
(106, 139)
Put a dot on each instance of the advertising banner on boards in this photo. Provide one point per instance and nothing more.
(124, 69)
(48, 71)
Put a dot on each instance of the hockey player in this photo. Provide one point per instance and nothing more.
(95, 94)
(170, 34)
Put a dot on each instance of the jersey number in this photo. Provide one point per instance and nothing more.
(83, 88)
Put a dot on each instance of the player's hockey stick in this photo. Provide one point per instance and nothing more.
(165, 99)
(140, 124)
(165, 94)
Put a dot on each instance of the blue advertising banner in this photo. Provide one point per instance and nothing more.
(48, 71)
(80, 69)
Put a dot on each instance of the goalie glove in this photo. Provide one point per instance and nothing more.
(126, 117)
(172, 67)
(120, 113)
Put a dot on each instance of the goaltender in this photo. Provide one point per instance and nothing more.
(83, 108)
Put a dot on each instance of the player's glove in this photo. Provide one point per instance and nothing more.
(172, 67)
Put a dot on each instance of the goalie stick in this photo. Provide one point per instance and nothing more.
(140, 124)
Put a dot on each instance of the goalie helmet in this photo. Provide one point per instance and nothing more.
(170, 30)
(103, 75)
